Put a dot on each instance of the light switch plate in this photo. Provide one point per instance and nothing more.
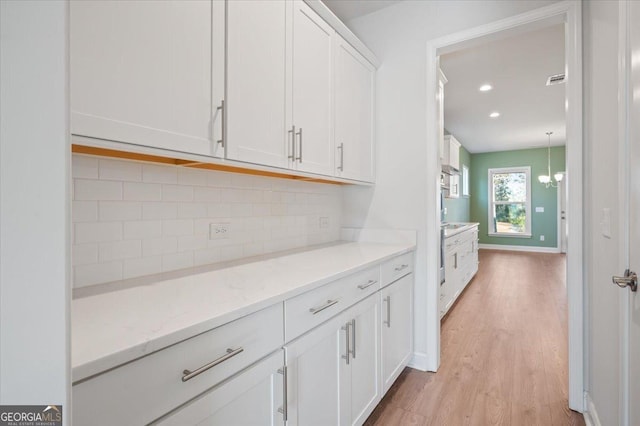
(539, 209)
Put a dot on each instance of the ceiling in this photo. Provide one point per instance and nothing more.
(517, 67)
(350, 9)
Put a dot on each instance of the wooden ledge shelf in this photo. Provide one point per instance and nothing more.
(114, 153)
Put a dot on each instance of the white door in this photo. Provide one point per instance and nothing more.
(354, 78)
(316, 375)
(365, 362)
(630, 253)
(397, 334)
(256, 82)
(148, 72)
(312, 91)
(251, 398)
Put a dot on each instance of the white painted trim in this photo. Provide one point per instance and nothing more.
(532, 249)
(624, 195)
(419, 361)
(490, 201)
(591, 414)
(571, 13)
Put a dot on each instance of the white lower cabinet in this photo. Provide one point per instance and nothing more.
(253, 397)
(397, 331)
(461, 264)
(333, 370)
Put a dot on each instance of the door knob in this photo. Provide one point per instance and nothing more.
(630, 279)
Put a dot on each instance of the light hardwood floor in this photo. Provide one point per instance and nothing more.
(504, 352)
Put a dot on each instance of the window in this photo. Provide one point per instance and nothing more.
(510, 202)
(465, 181)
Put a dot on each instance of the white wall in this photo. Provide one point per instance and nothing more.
(34, 154)
(398, 35)
(132, 219)
(601, 160)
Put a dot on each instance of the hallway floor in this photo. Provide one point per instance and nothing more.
(504, 352)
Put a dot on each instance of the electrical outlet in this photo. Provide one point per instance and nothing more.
(324, 222)
(541, 237)
(219, 231)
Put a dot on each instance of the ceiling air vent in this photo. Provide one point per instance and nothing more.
(555, 79)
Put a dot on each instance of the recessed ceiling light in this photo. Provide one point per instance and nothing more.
(486, 87)
(494, 114)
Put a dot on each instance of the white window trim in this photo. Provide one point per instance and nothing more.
(465, 182)
(527, 224)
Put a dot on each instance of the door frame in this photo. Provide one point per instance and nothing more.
(569, 12)
(561, 232)
(624, 192)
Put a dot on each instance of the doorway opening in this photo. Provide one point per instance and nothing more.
(567, 16)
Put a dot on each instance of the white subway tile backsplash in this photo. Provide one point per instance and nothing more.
(177, 193)
(132, 218)
(140, 229)
(192, 210)
(178, 227)
(142, 191)
(89, 189)
(142, 266)
(159, 210)
(84, 167)
(84, 254)
(120, 250)
(119, 210)
(171, 262)
(120, 170)
(90, 232)
(84, 211)
(159, 174)
(158, 246)
(97, 273)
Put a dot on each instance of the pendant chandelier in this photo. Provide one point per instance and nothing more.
(546, 179)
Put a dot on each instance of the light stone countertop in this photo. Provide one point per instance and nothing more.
(113, 328)
(460, 227)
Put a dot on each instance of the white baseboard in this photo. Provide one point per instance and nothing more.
(591, 415)
(534, 249)
(419, 361)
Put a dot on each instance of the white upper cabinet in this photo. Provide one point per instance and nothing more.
(451, 159)
(354, 80)
(257, 32)
(148, 73)
(312, 149)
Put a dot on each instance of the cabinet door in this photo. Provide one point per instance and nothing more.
(397, 328)
(147, 72)
(317, 375)
(253, 397)
(256, 81)
(365, 362)
(312, 91)
(354, 79)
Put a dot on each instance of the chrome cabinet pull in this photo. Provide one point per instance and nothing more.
(188, 375)
(341, 148)
(388, 321)
(367, 285)
(292, 132)
(353, 338)
(347, 342)
(401, 267)
(323, 307)
(284, 410)
(221, 141)
(299, 157)
(455, 265)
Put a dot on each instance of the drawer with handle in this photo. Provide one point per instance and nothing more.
(149, 387)
(396, 268)
(310, 309)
